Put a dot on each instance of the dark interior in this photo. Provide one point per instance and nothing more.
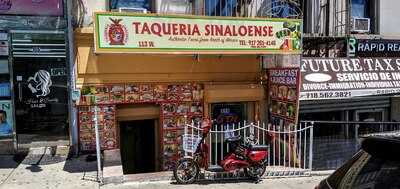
(138, 146)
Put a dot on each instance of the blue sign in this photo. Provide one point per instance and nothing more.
(6, 118)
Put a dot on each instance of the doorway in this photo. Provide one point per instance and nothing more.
(225, 115)
(39, 71)
(374, 115)
(138, 146)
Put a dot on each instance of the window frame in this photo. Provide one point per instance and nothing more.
(372, 12)
(149, 10)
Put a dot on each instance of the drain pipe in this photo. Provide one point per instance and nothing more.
(72, 116)
(98, 154)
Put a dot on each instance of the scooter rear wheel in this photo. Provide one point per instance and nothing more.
(255, 172)
(186, 171)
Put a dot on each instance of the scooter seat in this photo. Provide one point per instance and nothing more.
(233, 139)
(259, 147)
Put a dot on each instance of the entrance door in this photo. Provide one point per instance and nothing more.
(138, 146)
(40, 89)
(225, 115)
(376, 115)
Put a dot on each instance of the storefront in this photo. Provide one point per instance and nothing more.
(349, 89)
(347, 98)
(34, 74)
(148, 84)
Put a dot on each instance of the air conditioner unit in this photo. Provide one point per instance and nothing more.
(174, 7)
(132, 9)
(360, 25)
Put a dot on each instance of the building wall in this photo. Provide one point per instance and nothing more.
(389, 18)
(395, 108)
(118, 68)
(83, 10)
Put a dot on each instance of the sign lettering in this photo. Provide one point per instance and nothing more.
(138, 33)
(373, 48)
(325, 78)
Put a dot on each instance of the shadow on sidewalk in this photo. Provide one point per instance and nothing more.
(82, 164)
(220, 181)
(11, 161)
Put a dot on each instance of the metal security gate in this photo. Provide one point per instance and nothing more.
(290, 149)
(335, 142)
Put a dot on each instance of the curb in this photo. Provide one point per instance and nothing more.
(322, 173)
(164, 178)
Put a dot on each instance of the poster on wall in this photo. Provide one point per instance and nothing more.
(4, 48)
(6, 120)
(107, 127)
(140, 33)
(283, 96)
(284, 108)
(341, 78)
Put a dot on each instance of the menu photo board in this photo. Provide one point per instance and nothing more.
(341, 78)
(149, 33)
(284, 109)
(283, 96)
(106, 124)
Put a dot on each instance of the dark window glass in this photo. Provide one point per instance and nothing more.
(221, 7)
(5, 92)
(40, 79)
(116, 4)
(359, 8)
(283, 9)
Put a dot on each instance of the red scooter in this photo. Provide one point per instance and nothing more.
(251, 158)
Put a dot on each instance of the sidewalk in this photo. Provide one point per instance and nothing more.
(281, 183)
(7, 166)
(48, 169)
(44, 168)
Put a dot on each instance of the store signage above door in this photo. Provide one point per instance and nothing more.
(373, 47)
(326, 78)
(147, 33)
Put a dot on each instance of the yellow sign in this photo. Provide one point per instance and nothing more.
(148, 33)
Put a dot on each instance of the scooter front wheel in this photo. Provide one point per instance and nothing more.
(186, 171)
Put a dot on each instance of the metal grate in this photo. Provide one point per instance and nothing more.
(38, 45)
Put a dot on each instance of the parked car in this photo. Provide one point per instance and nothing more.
(375, 166)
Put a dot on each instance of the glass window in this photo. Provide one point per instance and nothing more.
(116, 4)
(359, 8)
(5, 92)
(221, 7)
(4, 66)
(284, 9)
